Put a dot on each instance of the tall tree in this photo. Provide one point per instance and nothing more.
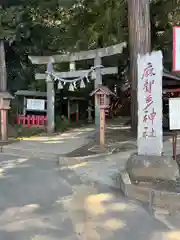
(139, 43)
(3, 74)
(164, 15)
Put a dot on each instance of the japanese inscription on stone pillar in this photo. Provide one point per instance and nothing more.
(150, 70)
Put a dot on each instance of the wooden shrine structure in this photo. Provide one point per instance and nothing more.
(73, 106)
(72, 58)
(25, 96)
(102, 98)
(32, 108)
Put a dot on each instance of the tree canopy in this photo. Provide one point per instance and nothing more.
(47, 26)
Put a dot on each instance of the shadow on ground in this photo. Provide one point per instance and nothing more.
(118, 138)
(32, 201)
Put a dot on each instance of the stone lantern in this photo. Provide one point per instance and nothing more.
(5, 99)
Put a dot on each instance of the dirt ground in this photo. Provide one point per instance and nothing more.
(118, 137)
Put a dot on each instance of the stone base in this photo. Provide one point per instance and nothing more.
(132, 190)
(152, 168)
(153, 180)
(155, 195)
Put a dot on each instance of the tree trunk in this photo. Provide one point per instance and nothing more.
(139, 42)
(3, 76)
(3, 88)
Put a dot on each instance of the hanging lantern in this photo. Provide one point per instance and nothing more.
(71, 87)
(60, 86)
(82, 85)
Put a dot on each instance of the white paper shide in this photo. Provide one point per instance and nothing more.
(150, 68)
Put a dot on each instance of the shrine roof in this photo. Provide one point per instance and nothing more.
(30, 93)
(104, 89)
(74, 98)
(169, 75)
(171, 90)
(6, 95)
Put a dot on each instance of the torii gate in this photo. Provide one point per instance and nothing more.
(96, 54)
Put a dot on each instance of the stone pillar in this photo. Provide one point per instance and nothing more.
(98, 80)
(4, 125)
(50, 104)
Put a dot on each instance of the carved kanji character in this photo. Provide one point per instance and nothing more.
(149, 101)
(145, 134)
(148, 71)
(148, 86)
(152, 133)
(152, 116)
(145, 116)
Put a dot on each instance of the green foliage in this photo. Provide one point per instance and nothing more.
(28, 132)
(97, 23)
(61, 124)
(164, 15)
(42, 27)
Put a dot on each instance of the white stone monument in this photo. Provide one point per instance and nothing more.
(150, 136)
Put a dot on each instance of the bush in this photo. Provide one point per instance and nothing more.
(61, 123)
(28, 132)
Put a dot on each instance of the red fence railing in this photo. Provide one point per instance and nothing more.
(32, 121)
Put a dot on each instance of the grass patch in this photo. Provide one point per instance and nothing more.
(61, 125)
(29, 132)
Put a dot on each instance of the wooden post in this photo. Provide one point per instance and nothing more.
(174, 144)
(102, 127)
(50, 104)
(3, 88)
(98, 80)
(139, 42)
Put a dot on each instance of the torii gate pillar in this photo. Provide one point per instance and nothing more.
(50, 105)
